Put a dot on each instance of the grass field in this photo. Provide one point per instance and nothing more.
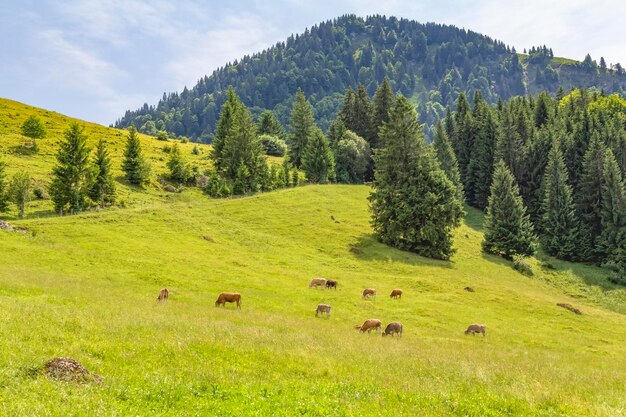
(84, 286)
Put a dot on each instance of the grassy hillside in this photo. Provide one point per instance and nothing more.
(85, 286)
(15, 152)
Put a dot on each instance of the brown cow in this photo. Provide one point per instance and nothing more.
(164, 294)
(370, 324)
(476, 328)
(331, 283)
(392, 328)
(397, 293)
(228, 297)
(317, 282)
(369, 292)
(321, 309)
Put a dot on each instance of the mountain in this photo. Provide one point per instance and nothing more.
(430, 63)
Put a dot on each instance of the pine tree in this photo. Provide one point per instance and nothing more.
(242, 146)
(3, 189)
(102, 189)
(134, 165)
(508, 230)
(447, 159)
(510, 146)
(414, 205)
(613, 209)
(317, 159)
(224, 127)
(589, 193)
(480, 168)
(363, 116)
(559, 225)
(180, 170)
(70, 176)
(346, 113)
(336, 131)
(19, 190)
(302, 128)
(383, 101)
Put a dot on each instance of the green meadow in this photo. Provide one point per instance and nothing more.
(85, 287)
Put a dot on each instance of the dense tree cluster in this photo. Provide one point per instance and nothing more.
(567, 157)
(428, 62)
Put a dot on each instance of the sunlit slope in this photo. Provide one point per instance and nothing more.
(85, 287)
(15, 151)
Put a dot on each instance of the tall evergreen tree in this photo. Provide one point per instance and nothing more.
(3, 189)
(302, 128)
(447, 159)
(508, 230)
(414, 205)
(589, 193)
(383, 101)
(559, 225)
(336, 132)
(180, 170)
(480, 169)
(317, 159)
(243, 157)
(510, 145)
(363, 116)
(70, 184)
(134, 165)
(346, 113)
(102, 189)
(224, 126)
(613, 209)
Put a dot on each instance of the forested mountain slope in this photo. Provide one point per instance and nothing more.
(430, 63)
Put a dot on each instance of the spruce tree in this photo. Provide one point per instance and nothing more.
(134, 165)
(613, 209)
(102, 189)
(447, 159)
(336, 131)
(508, 230)
(559, 225)
(589, 194)
(510, 145)
(224, 127)
(363, 116)
(180, 170)
(414, 205)
(302, 128)
(480, 168)
(317, 159)
(346, 113)
(243, 156)
(3, 189)
(70, 176)
(383, 101)
(19, 190)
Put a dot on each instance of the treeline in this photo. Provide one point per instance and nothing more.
(438, 61)
(560, 161)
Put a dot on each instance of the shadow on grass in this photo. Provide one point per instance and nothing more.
(474, 219)
(589, 274)
(367, 248)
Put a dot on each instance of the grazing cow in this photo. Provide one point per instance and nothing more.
(393, 328)
(228, 297)
(369, 324)
(369, 292)
(476, 328)
(321, 309)
(317, 282)
(397, 293)
(331, 283)
(469, 289)
(164, 294)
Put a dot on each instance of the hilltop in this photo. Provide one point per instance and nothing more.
(429, 63)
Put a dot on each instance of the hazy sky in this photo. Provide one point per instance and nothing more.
(95, 59)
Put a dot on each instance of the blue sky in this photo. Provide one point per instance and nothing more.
(95, 59)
